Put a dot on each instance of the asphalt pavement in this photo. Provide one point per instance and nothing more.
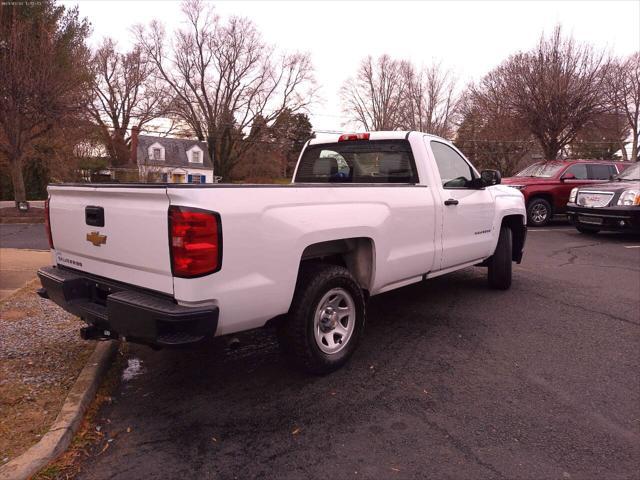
(452, 380)
(24, 236)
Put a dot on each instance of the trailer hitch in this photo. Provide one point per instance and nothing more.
(94, 333)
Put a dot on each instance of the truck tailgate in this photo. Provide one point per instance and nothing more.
(130, 245)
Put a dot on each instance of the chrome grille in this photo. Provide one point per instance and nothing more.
(587, 198)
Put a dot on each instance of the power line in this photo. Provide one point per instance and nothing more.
(270, 129)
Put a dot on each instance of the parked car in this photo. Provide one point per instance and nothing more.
(613, 205)
(171, 264)
(546, 185)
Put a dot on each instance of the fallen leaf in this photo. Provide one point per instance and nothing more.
(214, 439)
(128, 429)
(106, 445)
(296, 431)
(395, 469)
(425, 392)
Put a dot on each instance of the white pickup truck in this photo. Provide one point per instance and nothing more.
(171, 264)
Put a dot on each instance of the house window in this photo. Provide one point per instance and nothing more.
(196, 156)
(197, 178)
(157, 153)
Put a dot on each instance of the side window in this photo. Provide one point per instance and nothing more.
(600, 172)
(579, 171)
(455, 172)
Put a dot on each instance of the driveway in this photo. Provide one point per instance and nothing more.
(452, 380)
(23, 249)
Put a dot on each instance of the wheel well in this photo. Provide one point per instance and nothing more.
(355, 254)
(519, 232)
(545, 196)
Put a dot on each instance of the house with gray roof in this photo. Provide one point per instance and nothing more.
(172, 160)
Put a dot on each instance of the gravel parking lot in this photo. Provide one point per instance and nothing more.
(453, 380)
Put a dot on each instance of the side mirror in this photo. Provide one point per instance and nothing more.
(490, 177)
(567, 176)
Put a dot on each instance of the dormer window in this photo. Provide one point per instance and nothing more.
(156, 152)
(195, 154)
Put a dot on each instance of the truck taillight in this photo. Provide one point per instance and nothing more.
(353, 136)
(195, 242)
(47, 222)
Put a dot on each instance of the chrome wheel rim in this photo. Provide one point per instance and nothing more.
(334, 321)
(539, 213)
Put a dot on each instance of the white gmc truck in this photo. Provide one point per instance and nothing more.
(172, 264)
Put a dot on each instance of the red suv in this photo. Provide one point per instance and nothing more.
(546, 185)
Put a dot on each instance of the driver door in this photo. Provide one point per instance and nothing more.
(468, 212)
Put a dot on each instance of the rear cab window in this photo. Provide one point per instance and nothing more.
(361, 161)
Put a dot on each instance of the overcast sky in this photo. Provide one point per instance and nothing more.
(468, 37)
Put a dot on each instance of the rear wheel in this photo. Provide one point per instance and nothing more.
(587, 230)
(325, 321)
(538, 212)
(500, 262)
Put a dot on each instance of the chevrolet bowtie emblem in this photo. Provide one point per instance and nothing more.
(96, 238)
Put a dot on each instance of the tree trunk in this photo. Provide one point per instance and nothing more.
(550, 150)
(17, 179)
(211, 146)
(634, 147)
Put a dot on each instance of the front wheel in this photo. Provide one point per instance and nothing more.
(538, 212)
(500, 262)
(325, 321)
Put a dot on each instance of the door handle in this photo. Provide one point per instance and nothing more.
(451, 201)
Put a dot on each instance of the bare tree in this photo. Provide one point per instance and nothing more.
(623, 94)
(556, 88)
(389, 94)
(601, 137)
(223, 76)
(372, 98)
(124, 94)
(44, 79)
(429, 104)
(489, 131)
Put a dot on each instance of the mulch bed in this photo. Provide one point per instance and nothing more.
(41, 355)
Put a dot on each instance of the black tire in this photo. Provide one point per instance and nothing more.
(500, 262)
(587, 230)
(297, 333)
(539, 212)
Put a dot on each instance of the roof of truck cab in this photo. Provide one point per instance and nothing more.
(381, 135)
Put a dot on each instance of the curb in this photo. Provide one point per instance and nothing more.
(61, 432)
